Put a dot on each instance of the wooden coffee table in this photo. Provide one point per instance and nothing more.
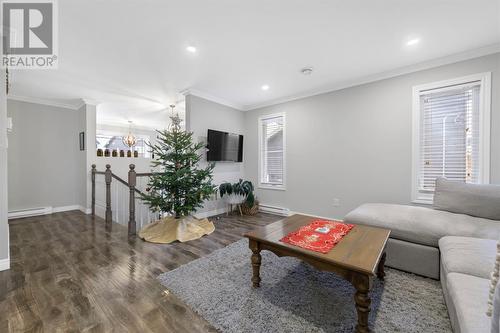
(358, 257)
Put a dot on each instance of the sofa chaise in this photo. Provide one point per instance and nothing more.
(455, 241)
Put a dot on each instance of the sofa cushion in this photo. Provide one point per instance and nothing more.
(467, 255)
(422, 225)
(469, 295)
(471, 199)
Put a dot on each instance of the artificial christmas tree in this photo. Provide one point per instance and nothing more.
(178, 188)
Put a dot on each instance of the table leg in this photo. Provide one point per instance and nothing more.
(256, 260)
(362, 285)
(380, 269)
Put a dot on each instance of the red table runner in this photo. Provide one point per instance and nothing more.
(319, 235)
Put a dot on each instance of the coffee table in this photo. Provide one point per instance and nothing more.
(358, 257)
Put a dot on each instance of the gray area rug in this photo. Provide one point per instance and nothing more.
(295, 297)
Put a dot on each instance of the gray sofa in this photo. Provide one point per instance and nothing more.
(447, 244)
(416, 231)
(466, 265)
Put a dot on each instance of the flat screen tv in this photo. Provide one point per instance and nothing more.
(223, 146)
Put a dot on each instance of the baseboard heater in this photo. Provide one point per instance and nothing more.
(274, 210)
(17, 214)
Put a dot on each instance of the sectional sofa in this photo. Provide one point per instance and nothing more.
(455, 241)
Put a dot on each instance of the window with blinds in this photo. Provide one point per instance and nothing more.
(272, 150)
(449, 136)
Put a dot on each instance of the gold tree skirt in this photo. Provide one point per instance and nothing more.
(170, 229)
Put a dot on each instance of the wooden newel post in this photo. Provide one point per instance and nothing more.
(107, 177)
(132, 181)
(93, 189)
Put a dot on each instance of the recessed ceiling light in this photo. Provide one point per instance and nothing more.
(413, 41)
(191, 49)
(265, 87)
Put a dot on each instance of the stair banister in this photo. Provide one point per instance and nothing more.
(108, 176)
(132, 181)
(133, 190)
(93, 189)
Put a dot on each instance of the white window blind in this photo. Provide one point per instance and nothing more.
(449, 135)
(272, 150)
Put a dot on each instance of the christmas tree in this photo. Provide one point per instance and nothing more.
(180, 186)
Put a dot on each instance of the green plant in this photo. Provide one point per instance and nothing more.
(181, 186)
(242, 187)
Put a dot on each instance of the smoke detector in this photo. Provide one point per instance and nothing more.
(306, 70)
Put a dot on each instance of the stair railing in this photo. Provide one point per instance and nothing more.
(131, 184)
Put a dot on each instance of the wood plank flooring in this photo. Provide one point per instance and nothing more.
(68, 274)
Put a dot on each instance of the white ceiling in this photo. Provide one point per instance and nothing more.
(131, 55)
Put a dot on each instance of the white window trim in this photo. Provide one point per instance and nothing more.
(261, 185)
(484, 125)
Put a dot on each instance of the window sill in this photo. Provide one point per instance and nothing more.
(272, 187)
(422, 202)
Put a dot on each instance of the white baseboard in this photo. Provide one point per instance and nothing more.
(313, 215)
(4, 264)
(73, 207)
(46, 211)
(275, 210)
(17, 214)
(85, 210)
(202, 215)
(271, 209)
(66, 208)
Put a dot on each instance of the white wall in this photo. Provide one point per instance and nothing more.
(355, 144)
(4, 226)
(47, 167)
(82, 159)
(202, 115)
(44, 157)
(123, 130)
(90, 149)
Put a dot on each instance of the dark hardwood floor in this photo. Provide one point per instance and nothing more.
(68, 274)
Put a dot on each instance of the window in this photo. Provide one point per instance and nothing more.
(272, 151)
(451, 122)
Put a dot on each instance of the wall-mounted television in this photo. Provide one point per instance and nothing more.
(223, 146)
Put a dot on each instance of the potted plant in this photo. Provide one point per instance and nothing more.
(251, 205)
(240, 194)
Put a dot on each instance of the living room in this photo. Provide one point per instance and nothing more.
(371, 128)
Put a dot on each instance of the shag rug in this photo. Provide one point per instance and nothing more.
(295, 297)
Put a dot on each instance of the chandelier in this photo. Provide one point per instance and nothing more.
(130, 139)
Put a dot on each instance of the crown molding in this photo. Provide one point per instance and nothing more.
(42, 101)
(467, 55)
(118, 124)
(88, 101)
(81, 104)
(450, 59)
(212, 98)
(51, 102)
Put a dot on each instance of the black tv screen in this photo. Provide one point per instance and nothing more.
(223, 146)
